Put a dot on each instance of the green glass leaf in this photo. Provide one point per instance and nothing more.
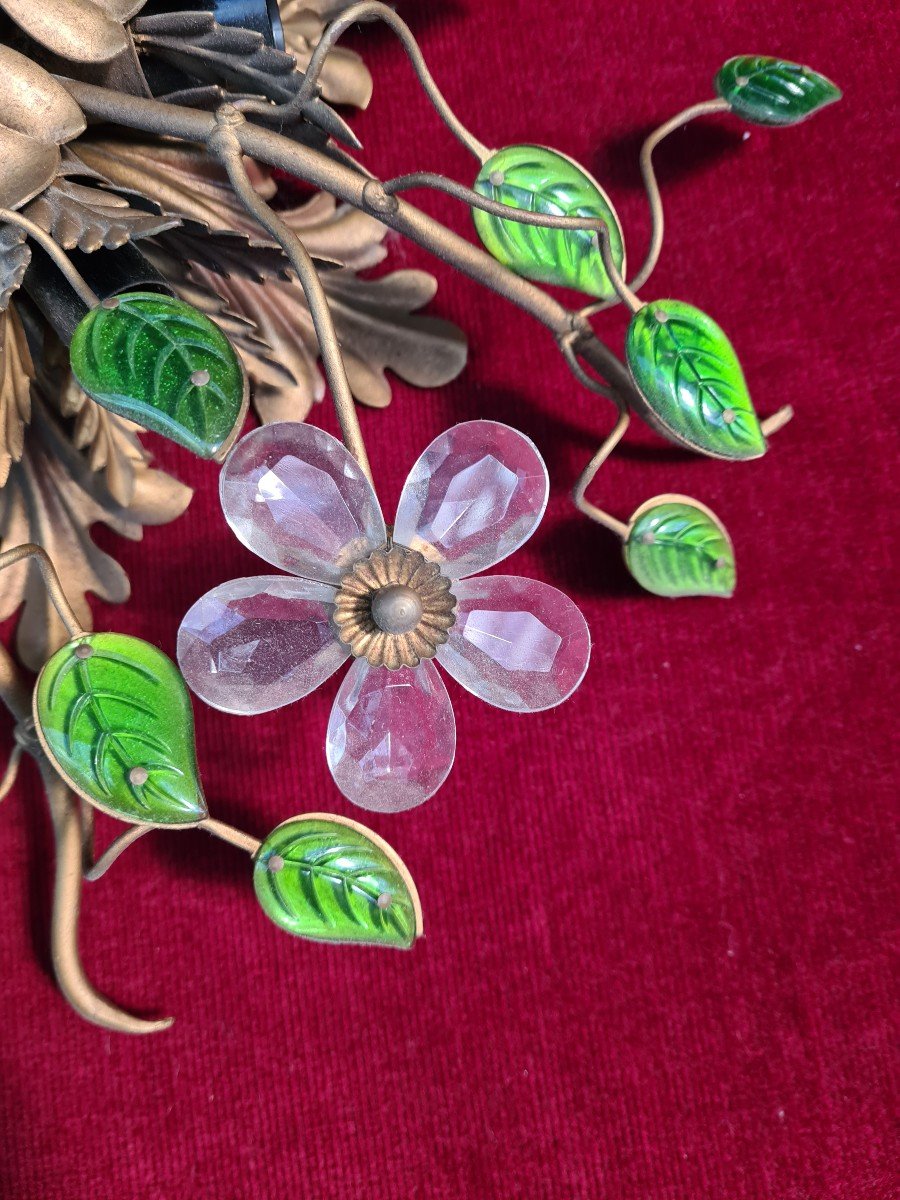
(691, 381)
(536, 179)
(330, 879)
(114, 716)
(163, 364)
(770, 91)
(677, 547)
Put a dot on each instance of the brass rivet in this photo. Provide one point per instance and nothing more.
(385, 900)
(200, 378)
(138, 776)
(275, 863)
(84, 650)
(728, 415)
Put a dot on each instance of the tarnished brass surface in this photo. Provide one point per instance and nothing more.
(387, 571)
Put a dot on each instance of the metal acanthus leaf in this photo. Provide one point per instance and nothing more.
(53, 497)
(238, 58)
(90, 217)
(90, 31)
(345, 78)
(16, 374)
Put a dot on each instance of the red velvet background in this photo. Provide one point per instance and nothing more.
(659, 917)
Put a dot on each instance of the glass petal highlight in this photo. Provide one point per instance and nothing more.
(517, 643)
(473, 497)
(391, 736)
(251, 645)
(297, 498)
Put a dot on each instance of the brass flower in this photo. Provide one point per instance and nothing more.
(394, 608)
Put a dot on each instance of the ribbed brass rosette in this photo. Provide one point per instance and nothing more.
(394, 608)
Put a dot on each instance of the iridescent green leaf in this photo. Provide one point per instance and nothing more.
(677, 547)
(332, 880)
(163, 364)
(535, 179)
(770, 91)
(114, 716)
(691, 381)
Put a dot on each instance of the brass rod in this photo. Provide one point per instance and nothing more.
(459, 191)
(567, 345)
(228, 833)
(70, 976)
(704, 108)
(587, 475)
(223, 142)
(67, 268)
(777, 421)
(372, 11)
(101, 865)
(654, 198)
(51, 582)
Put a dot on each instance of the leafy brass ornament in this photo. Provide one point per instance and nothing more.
(145, 143)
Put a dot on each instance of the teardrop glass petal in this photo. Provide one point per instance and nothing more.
(391, 736)
(517, 643)
(474, 496)
(251, 645)
(297, 498)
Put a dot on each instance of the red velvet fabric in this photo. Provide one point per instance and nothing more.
(658, 917)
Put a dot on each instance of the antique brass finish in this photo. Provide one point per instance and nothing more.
(394, 608)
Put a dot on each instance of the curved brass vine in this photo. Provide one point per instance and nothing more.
(72, 830)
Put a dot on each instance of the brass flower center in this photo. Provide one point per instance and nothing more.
(394, 608)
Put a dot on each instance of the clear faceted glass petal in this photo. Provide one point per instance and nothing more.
(517, 643)
(299, 499)
(391, 736)
(474, 496)
(251, 645)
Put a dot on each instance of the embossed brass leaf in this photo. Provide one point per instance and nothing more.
(37, 114)
(53, 497)
(89, 31)
(345, 78)
(16, 374)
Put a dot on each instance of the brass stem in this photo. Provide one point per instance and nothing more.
(223, 142)
(69, 835)
(101, 865)
(777, 421)
(615, 436)
(372, 11)
(654, 198)
(67, 268)
(228, 833)
(51, 582)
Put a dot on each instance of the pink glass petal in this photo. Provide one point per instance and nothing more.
(252, 645)
(517, 643)
(475, 495)
(391, 736)
(298, 499)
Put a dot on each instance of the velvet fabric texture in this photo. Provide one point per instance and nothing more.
(658, 918)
